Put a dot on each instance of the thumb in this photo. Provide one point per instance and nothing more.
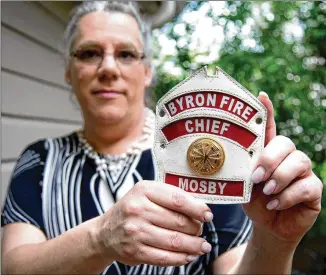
(270, 125)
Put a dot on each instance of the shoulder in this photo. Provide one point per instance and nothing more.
(62, 141)
(41, 145)
(37, 151)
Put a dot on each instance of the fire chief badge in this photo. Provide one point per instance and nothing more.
(209, 131)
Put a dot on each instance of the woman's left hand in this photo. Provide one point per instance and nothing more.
(286, 197)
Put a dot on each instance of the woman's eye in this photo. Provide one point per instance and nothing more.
(127, 54)
(89, 54)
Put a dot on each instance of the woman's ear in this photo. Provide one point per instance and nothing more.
(148, 76)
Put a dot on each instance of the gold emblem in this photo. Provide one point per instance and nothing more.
(205, 156)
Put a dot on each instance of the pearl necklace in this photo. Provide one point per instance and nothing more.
(115, 163)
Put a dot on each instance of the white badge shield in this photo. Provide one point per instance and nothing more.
(209, 130)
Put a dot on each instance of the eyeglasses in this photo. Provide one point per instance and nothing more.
(95, 56)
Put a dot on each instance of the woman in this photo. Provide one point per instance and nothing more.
(73, 205)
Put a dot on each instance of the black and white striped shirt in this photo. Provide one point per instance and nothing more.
(56, 186)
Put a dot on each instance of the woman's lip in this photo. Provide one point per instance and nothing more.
(106, 93)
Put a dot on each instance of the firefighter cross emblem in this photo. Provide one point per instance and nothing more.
(209, 132)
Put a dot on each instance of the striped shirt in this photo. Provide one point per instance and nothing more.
(56, 186)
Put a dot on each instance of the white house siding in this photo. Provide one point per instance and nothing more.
(35, 100)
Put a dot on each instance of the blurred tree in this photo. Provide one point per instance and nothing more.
(277, 47)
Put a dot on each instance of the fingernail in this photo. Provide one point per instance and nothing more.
(258, 175)
(208, 216)
(263, 93)
(191, 258)
(273, 204)
(269, 187)
(206, 247)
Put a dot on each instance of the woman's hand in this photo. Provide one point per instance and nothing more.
(288, 200)
(156, 224)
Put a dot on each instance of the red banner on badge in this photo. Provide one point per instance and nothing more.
(206, 186)
(210, 99)
(219, 127)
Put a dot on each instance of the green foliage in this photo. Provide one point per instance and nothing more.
(289, 67)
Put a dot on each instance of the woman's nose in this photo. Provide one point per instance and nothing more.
(109, 68)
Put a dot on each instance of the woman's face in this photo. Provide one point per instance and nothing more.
(107, 74)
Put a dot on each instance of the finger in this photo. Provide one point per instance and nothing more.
(270, 125)
(178, 200)
(307, 191)
(271, 157)
(295, 165)
(159, 257)
(172, 220)
(174, 241)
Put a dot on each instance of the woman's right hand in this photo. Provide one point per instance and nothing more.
(155, 224)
